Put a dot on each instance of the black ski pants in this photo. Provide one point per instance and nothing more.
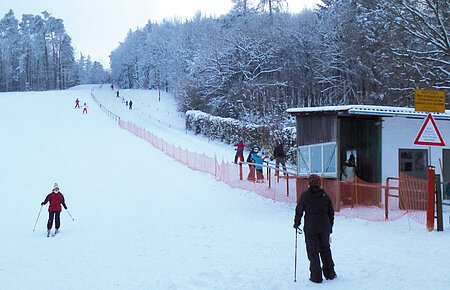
(239, 155)
(318, 248)
(282, 161)
(51, 215)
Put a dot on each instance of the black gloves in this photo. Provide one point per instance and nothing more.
(296, 226)
(42, 203)
(65, 207)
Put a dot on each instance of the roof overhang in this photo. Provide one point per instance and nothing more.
(365, 110)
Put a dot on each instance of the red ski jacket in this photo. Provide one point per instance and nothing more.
(240, 145)
(55, 199)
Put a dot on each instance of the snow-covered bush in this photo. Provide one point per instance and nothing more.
(230, 131)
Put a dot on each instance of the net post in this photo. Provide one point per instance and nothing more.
(240, 171)
(430, 198)
(439, 219)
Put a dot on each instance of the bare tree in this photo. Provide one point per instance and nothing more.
(425, 48)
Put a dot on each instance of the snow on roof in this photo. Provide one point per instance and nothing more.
(369, 111)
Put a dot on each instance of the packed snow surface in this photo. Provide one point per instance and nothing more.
(144, 221)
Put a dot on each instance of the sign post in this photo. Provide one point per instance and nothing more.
(431, 188)
(429, 135)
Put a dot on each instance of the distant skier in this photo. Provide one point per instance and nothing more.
(239, 151)
(258, 159)
(77, 103)
(251, 174)
(131, 104)
(117, 94)
(280, 158)
(112, 86)
(85, 108)
(56, 199)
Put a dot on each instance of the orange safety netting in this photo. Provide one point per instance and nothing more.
(355, 198)
(351, 198)
(279, 189)
(377, 202)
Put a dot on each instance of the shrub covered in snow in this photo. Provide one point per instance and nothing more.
(230, 131)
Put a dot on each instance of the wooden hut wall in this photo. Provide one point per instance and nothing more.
(315, 129)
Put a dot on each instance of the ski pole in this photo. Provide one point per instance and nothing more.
(70, 214)
(295, 258)
(37, 218)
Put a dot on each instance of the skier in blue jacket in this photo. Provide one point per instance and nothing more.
(258, 167)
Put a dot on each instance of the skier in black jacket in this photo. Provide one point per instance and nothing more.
(319, 219)
(280, 157)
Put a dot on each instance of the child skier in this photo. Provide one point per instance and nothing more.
(258, 159)
(254, 157)
(77, 103)
(56, 199)
(85, 108)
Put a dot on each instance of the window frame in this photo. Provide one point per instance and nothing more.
(305, 162)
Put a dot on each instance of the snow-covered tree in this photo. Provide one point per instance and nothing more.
(10, 52)
(425, 43)
(37, 54)
(253, 67)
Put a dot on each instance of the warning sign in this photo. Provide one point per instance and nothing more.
(429, 134)
(429, 101)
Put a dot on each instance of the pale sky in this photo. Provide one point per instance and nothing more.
(97, 26)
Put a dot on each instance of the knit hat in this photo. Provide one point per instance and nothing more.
(314, 180)
(55, 186)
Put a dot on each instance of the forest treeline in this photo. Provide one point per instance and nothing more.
(254, 62)
(36, 53)
(257, 61)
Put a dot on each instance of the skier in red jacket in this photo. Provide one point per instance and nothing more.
(239, 151)
(56, 199)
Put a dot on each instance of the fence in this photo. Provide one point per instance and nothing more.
(223, 171)
(357, 198)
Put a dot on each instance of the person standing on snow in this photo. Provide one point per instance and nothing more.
(252, 172)
(131, 104)
(77, 103)
(319, 219)
(280, 157)
(85, 108)
(56, 199)
(239, 151)
(258, 159)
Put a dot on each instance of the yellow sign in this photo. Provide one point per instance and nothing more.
(429, 101)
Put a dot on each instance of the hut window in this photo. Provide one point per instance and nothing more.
(317, 158)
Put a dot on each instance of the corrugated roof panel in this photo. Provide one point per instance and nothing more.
(369, 110)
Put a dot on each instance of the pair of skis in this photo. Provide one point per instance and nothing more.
(50, 234)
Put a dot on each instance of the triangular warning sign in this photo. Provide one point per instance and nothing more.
(429, 134)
